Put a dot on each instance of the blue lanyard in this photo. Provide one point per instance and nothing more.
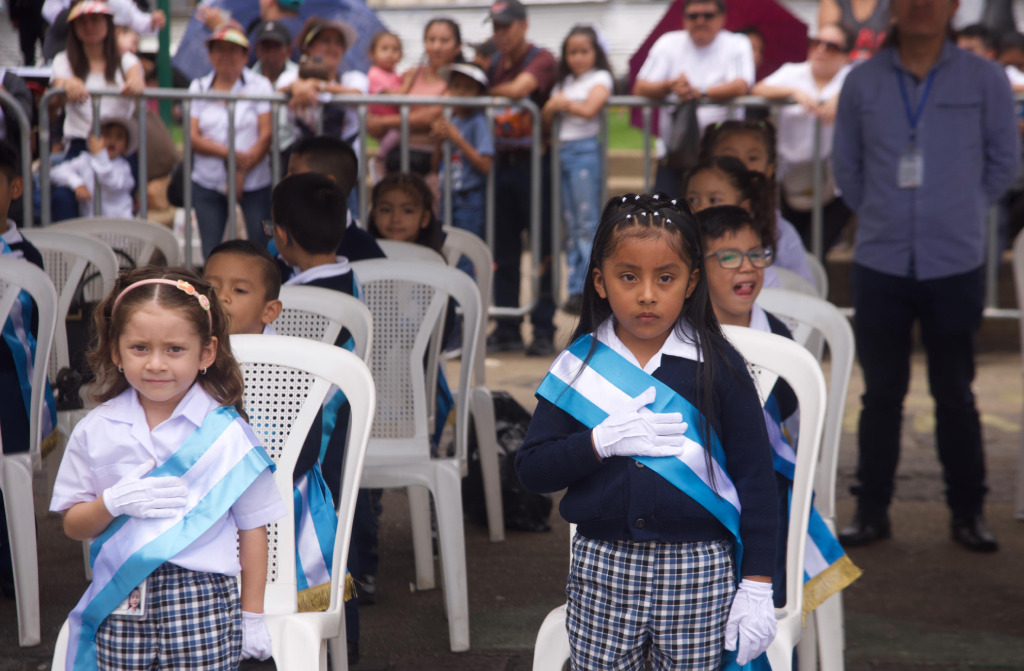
(914, 117)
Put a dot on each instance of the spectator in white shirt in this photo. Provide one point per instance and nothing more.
(814, 85)
(104, 164)
(273, 51)
(702, 61)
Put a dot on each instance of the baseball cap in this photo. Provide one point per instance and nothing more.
(89, 7)
(468, 69)
(273, 31)
(230, 34)
(507, 11)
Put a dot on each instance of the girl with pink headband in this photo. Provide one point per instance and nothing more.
(168, 444)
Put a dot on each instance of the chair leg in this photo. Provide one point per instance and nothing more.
(831, 633)
(21, 526)
(337, 647)
(807, 648)
(552, 648)
(487, 440)
(60, 649)
(452, 542)
(422, 539)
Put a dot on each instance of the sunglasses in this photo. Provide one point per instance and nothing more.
(693, 17)
(731, 259)
(830, 47)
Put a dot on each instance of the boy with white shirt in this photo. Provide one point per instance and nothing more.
(105, 164)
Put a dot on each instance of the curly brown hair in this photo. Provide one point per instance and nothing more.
(223, 379)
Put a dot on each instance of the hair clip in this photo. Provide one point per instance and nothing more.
(674, 203)
(624, 199)
(629, 216)
(656, 196)
(636, 197)
(183, 285)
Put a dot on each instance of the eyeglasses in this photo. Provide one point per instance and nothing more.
(731, 259)
(830, 47)
(268, 227)
(694, 17)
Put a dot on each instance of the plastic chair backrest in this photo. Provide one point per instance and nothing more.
(286, 381)
(73, 261)
(320, 314)
(794, 282)
(408, 251)
(136, 238)
(806, 319)
(771, 357)
(17, 275)
(407, 299)
(463, 243)
(820, 275)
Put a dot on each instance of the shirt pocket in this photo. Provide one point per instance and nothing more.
(109, 475)
(958, 123)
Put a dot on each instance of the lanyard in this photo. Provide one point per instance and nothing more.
(914, 117)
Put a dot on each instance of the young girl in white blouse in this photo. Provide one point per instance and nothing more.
(167, 480)
(584, 85)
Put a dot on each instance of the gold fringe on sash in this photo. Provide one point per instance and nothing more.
(49, 444)
(832, 580)
(317, 599)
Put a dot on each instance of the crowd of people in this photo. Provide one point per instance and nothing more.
(919, 139)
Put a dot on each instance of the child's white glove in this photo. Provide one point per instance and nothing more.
(255, 637)
(139, 496)
(751, 626)
(635, 431)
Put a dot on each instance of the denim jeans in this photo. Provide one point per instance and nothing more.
(468, 213)
(581, 205)
(212, 215)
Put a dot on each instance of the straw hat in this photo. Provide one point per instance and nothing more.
(131, 129)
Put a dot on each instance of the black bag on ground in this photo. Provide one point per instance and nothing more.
(524, 511)
(683, 145)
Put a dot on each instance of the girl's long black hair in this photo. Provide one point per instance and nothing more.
(658, 216)
(600, 57)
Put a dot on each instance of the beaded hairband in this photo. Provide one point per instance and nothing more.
(184, 285)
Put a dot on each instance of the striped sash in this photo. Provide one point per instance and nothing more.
(592, 391)
(217, 463)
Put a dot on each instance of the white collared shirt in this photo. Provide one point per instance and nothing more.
(674, 345)
(320, 272)
(115, 438)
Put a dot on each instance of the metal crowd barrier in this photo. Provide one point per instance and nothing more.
(12, 106)
(405, 103)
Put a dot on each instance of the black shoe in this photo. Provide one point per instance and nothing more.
(7, 584)
(866, 529)
(573, 305)
(353, 653)
(504, 340)
(973, 534)
(541, 346)
(366, 589)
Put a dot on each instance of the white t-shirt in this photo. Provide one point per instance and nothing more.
(1015, 76)
(285, 124)
(115, 178)
(115, 438)
(728, 57)
(796, 126)
(78, 116)
(126, 13)
(211, 172)
(575, 127)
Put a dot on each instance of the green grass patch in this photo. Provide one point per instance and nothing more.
(621, 135)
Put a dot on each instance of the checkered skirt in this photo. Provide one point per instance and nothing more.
(193, 621)
(665, 601)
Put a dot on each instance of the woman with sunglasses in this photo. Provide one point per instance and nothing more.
(868, 20)
(814, 85)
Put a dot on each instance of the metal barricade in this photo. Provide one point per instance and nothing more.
(11, 105)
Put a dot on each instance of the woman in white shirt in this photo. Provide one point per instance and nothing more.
(814, 85)
(229, 51)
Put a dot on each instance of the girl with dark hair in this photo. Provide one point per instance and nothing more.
(649, 384)
(402, 209)
(584, 85)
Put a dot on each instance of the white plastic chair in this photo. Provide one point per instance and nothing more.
(811, 320)
(1018, 283)
(320, 314)
(819, 274)
(136, 238)
(770, 357)
(794, 282)
(286, 380)
(458, 243)
(18, 275)
(395, 250)
(407, 299)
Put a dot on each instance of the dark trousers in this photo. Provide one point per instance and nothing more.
(949, 310)
(511, 218)
(31, 29)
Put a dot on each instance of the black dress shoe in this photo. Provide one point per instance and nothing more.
(504, 340)
(541, 346)
(866, 529)
(973, 534)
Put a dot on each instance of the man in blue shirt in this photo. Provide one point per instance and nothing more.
(925, 142)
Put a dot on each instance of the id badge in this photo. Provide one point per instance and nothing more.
(911, 168)
(134, 606)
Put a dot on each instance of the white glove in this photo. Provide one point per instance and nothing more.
(255, 637)
(635, 431)
(139, 496)
(751, 626)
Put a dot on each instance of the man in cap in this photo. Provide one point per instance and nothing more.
(273, 49)
(519, 69)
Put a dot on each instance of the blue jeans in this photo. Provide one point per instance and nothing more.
(581, 205)
(212, 215)
(468, 213)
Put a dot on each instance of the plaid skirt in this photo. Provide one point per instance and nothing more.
(664, 601)
(193, 621)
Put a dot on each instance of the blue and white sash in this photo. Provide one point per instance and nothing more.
(592, 391)
(217, 463)
(17, 335)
